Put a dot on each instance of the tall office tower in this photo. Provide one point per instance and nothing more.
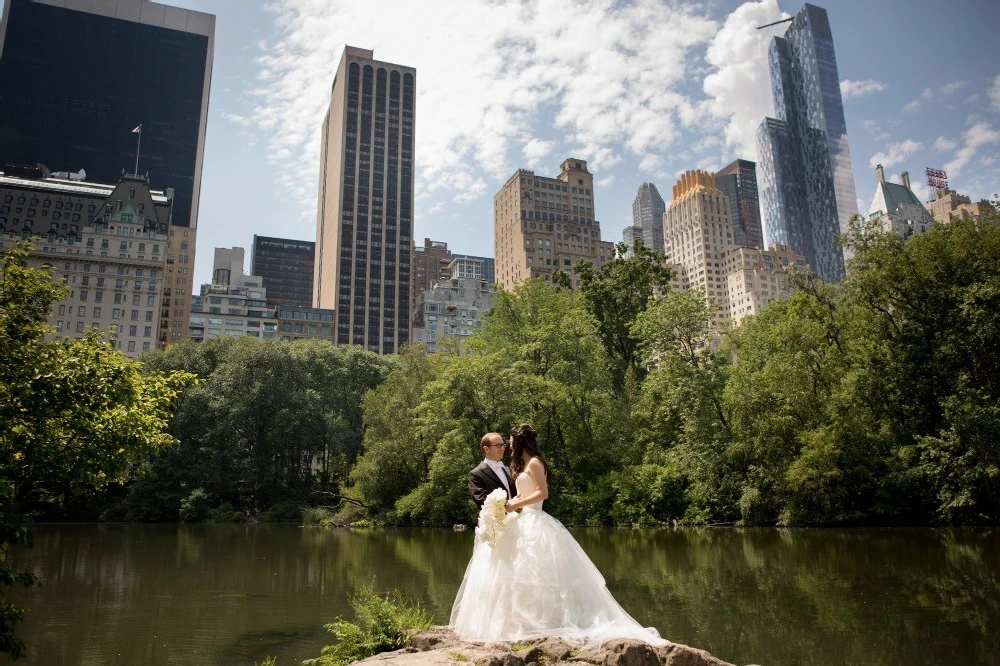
(77, 77)
(647, 212)
(698, 240)
(286, 267)
(365, 213)
(428, 264)
(807, 183)
(738, 181)
(632, 233)
(541, 225)
(696, 235)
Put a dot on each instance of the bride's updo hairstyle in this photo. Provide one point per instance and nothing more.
(525, 440)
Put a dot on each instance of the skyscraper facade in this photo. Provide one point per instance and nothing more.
(286, 268)
(76, 78)
(365, 214)
(736, 281)
(105, 243)
(807, 183)
(738, 181)
(428, 264)
(647, 213)
(542, 225)
(630, 235)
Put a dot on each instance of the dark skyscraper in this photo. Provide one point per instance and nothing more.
(807, 183)
(364, 221)
(738, 181)
(78, 78)
(647, 213)
(74, 83)
(286, 269)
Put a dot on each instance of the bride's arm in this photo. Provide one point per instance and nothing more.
(537, 473)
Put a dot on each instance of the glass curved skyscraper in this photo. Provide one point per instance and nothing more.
(807, 183)
(647, 213)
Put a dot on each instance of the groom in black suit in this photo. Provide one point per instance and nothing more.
(490, 474)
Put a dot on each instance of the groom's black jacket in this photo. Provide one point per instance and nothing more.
(483, 480)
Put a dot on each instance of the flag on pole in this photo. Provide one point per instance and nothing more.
(138, 129)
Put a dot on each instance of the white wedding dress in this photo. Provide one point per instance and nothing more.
(537, 581)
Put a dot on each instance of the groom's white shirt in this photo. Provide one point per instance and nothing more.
(498, 468)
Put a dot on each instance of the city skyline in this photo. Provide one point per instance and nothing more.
(911, 101)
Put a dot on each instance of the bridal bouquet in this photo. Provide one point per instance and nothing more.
(493, 518)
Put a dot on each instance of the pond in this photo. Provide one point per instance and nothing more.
(227, 594)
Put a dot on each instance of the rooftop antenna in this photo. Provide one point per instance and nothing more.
(791, 18)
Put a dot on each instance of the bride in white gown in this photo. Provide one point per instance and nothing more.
(536, 580)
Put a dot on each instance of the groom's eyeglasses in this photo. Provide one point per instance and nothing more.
(500, 445)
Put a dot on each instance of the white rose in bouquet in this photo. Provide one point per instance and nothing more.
(493, 518)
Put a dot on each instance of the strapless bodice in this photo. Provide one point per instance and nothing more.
(525, 486)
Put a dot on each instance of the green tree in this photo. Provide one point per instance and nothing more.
(683, 421)
(271, 421)
(615, 294)
(394, 458)
(77, 414)
(928, 341)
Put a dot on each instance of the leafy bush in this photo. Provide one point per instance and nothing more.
(195, 507)
(284, 512)
(383, 625)
(225, 513)
(317, 515)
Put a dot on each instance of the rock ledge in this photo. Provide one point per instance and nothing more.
(440, 647)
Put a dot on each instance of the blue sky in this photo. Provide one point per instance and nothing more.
(642, 89)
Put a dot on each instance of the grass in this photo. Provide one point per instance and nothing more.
(383, 624)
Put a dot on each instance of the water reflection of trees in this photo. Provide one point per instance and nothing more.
(768, 596)
(823, 596)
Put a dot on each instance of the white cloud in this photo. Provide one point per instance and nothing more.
(650, 163)
(944, 145)
(988, 160)
(853, 89)
(605, 77)
(975, 137)
(919, 188)
(875, 130)
(912, 106)
(896, 154)
(536, 150)
(739, 87)
(951, 88)
(994, 93)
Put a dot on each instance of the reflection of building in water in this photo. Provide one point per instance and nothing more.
(106, 243)
(453, 309)
(897, 208)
